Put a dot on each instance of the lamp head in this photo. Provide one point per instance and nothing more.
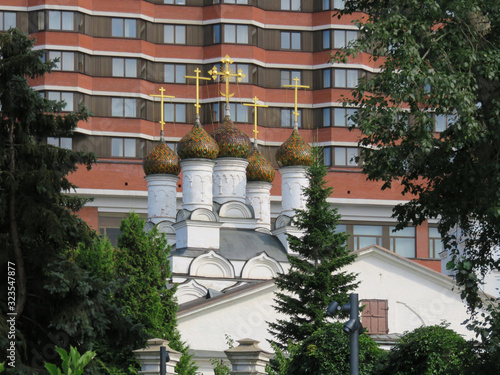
(333, 308)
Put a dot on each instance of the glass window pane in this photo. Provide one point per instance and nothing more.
(180, 34)
(327, 156)
(352, 78)
(339, 39)
(130, 107)
(232, 110)
(229, 34)
(53, 141)
(351, 36)
(350, 112)
(285, 40)
(340, 77)
(404, 247)
(216, 33)
(285, 77)
(244, 70)
(327, 78)
(180, 113)
(54, 95)
(68, 98)
(169, 72)
(326, 39)
(368, 241)
(340, 157)
(434, 232)
(130, 29)
(180, 2)
(295, 4)
(55, 20)
(338, 4)
(440, 123)
(180, 72)
(118, 68)
(1, 21)
(168, 1)
(130, 67)
(295, 40)
(327, 117)
(55, 55)
(285, 4)
(339, 117)
(168, 109)
(242, 34)
(168, 34)
(116, 27)
(68, 61)
(406, 232)
(117, 107)
(66, 142)
(352, 153)
(129, 148)
(370, 230)
(116, 146)
(295, 74)
(67, 20)
(215, 109)
(10, 20)
(285, 118)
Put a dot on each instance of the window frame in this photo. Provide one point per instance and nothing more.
(117, 61)
(176, 78)
(124, 28)
(286, 113)
(347, 157)
(59, 142)
(290, 37)
(62, 64)
(3, 18)
(290, 77)
(126, 103)
(126, 144)
(178, 110)
(60, 16)
(289, 5)
(178, 32)
(70, 102)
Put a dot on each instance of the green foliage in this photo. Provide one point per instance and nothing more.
(142, 261)
(429, 350)
(2, 366)
(72, 362)
(327, 351)
(314, 278)
(221, 367)
(280, 364)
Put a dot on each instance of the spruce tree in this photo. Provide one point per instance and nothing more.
(315, 277)
(142, 261)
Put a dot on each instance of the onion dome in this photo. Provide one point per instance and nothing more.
(259, 169)
(162, 160)
(294, 151)
(233, 143)
(197, 144)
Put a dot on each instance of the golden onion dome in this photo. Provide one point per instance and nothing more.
(232, 141)
(259, 168)
(162, 160)
(197, 144)
(294, 151)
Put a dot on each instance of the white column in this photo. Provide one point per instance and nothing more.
(149, 358)
(230, 180)
(197, 184)
(162, 202)
(259, 197)
(293, 181)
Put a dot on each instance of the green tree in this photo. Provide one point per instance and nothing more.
(430, 120)
(38, 225)
(142, 261)
(327, 352)
(429, 350)
(315, 278)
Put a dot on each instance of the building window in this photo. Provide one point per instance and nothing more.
(59, 20)
(214, 112)
(327, 156)
(174, 34)
(402, 242)
(123, 147)
(123, 107)
(345, 156)
(121, 27)
(327, 78)
(435, 243)
(366, 235)
(239, 112)
(346, 78)
(62, 142)
(338, 4)
(327, 117)
(66, 60)
(343, 37)
(235, 68)
(175, 73)
(176, 2)
(7, 20)
(442, 122)
(287, 118)
(67, 97)
(342, 116)
(124, 67)
(290, 40)
(175, 112)
(374, 316)
(232, 1)
(216, 34)
(326, 39)
(236, 34)
(290, 5)
(287, 77)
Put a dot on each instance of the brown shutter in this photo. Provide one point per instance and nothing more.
(374, 316)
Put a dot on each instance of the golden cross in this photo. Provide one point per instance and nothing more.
(255, 105)
(197, 78)
(162, 90)
(296, 86)
(226, 73)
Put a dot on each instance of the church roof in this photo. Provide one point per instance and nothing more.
(233, 143)
(162, 160)
(294, 151)
(242, 244)
(197, 144)
(259, 168)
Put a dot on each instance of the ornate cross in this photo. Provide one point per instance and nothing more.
(296, 86)
(255, 105)
(226, 74)
(197, 78)
(162, 90)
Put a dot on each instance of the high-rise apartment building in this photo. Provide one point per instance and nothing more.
(114, 54)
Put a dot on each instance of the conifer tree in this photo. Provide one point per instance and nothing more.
(142, 261)
(315, 277)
